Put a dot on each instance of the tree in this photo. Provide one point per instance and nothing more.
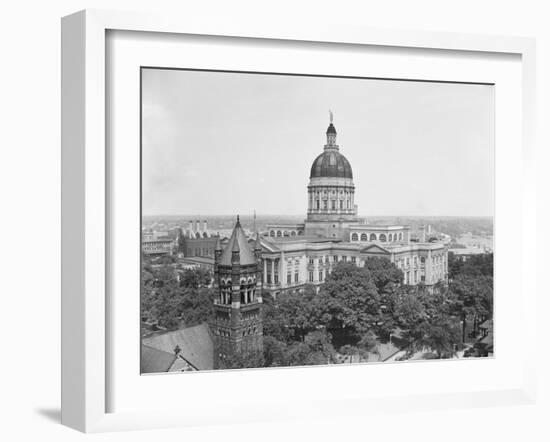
(172, 304)
(442, 336)
(196, 278)
(275, 352)
(297, 312)
(273, 324)
(474, 296)
(316, 349)
(348, 301)
(384, 273)
(244, 359)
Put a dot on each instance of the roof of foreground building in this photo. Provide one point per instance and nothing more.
(154, 360)
(195, 345)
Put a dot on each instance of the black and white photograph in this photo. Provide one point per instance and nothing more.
(294, 220)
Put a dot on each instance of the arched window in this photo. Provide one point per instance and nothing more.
(364, 237)
(225, 292)
(400, 236)
(285, 233)
(382, 237)
(249, 291)
(279, 233)
(272, 233)
(354, 237)
(390, 238)
(293, 233)
(243, 291)
(373, 237)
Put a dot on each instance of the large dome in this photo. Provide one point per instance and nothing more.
(331, 163)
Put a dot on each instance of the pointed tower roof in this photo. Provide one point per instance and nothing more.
(238, 243)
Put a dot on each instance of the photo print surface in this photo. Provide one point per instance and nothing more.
(292, 220)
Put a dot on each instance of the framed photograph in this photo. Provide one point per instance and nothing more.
(322, 215)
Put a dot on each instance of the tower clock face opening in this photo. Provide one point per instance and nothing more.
(313, 220)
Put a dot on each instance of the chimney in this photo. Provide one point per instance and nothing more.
(422, 233)
(204, 226)
(197, 226)
(190, 226)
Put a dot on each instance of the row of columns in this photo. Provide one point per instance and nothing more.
(317, 197)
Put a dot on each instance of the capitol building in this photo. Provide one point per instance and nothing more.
(295, 255)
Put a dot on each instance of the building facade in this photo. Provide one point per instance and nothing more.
(157, 247)
(295, 255)
(196, 240)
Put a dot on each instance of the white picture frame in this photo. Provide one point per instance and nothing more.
(86, 202)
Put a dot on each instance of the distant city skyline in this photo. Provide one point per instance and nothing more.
(227, 143)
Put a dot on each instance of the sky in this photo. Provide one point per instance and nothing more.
(229, 143)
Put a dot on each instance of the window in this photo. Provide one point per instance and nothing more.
(344, 258)
(276, 278)
(353, 259)
(333, 204)
(335, 258)
(354, 237)
(364, 237)
(373, 237)
(272, 233)
(289, 278)
(311, 260)
(242, 291)
(310, 276)
(279, 233)
(320, 276)
(317, 204)
(341, 204)
(296, 277)
(382, 237)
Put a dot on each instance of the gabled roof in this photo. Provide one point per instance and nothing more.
(195, 344)
(375, 249)
(154, 360)
(238, 243)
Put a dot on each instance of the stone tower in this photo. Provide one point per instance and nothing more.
(237, 323)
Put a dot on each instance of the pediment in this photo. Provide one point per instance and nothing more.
(375, 249)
